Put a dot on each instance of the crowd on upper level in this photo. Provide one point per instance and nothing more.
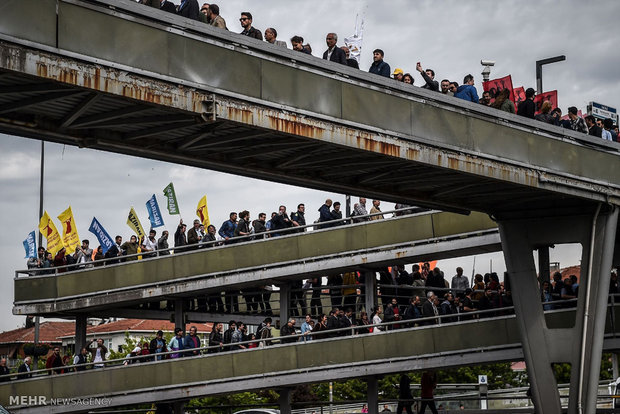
(210, 14)
(238, 227)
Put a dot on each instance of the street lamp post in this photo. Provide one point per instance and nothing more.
(539, 65)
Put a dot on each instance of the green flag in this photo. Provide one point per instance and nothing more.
(173, 206)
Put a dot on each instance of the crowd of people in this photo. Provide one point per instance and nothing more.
(420, 298)
(237, 228)
(210, 14)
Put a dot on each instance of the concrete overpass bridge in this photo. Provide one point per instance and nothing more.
(115, 76)
(116, 289)
(283, 366)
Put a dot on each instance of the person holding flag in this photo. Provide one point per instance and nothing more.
(70, 237)
(50, 232)
(202, 211)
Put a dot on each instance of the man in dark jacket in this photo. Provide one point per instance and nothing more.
(527, 108)
(248, 30)
(298, 218)
(180, 239)
(189, 9)
(429, 76)
(324, 213)
(379, 66)
(333, 52)
(593, 129)
(288, 330)
(281, 221)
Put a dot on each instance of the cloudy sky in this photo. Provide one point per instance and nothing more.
(449, 36)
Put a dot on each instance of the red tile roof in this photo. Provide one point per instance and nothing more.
(53, 332)
(571, 270)
(49, 332)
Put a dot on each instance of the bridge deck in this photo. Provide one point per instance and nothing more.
(366, 245)
(277, 114)
(449, 345)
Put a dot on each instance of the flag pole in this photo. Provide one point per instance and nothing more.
(37, 319)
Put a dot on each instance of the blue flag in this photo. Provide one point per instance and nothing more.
(104, 238)
(30, 245)
(154, 214)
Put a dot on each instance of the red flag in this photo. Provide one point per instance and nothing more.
(495, 86)
(551, 96)
(518, 95)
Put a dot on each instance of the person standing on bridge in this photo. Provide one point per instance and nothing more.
(298, 218)
(180, 239)
(213, 15)
(375, 209)
(98, 354)
(333, 52)
(270, 36)
(379, 66)
(248, 30)
(467, 91)
(227, 229)
(189, 9)
(359, 209)
(429, 78)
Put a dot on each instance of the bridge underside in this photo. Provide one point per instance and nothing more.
(68, 101)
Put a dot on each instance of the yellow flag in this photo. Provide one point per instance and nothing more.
(134, 223)
(203, 212)
(49, 231)
(70, 237)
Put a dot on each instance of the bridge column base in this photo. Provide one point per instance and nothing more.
(179, 314)
(284, 400)
(370, 291)
(581, 345)
(285, 302)
(373, 395)
(80, 333)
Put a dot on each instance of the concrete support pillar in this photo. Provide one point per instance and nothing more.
(592, 311)
(178, 407)
(373, 395)
(80, 332)
(285, 302)
(370, 291)
(284, 400)
(530, 317)
(179, 314)
(614, 366)
(582, 345)
(543, 264)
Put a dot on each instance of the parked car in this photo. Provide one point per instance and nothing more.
(259, 411)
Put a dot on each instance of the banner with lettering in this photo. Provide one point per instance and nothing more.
(202, 211)
(70, 237)
(495, 86)
(50, 232)
(551, 96)
(104, 238)
(154, 214)
(30, 245)
(134, 223)
(173, 206)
